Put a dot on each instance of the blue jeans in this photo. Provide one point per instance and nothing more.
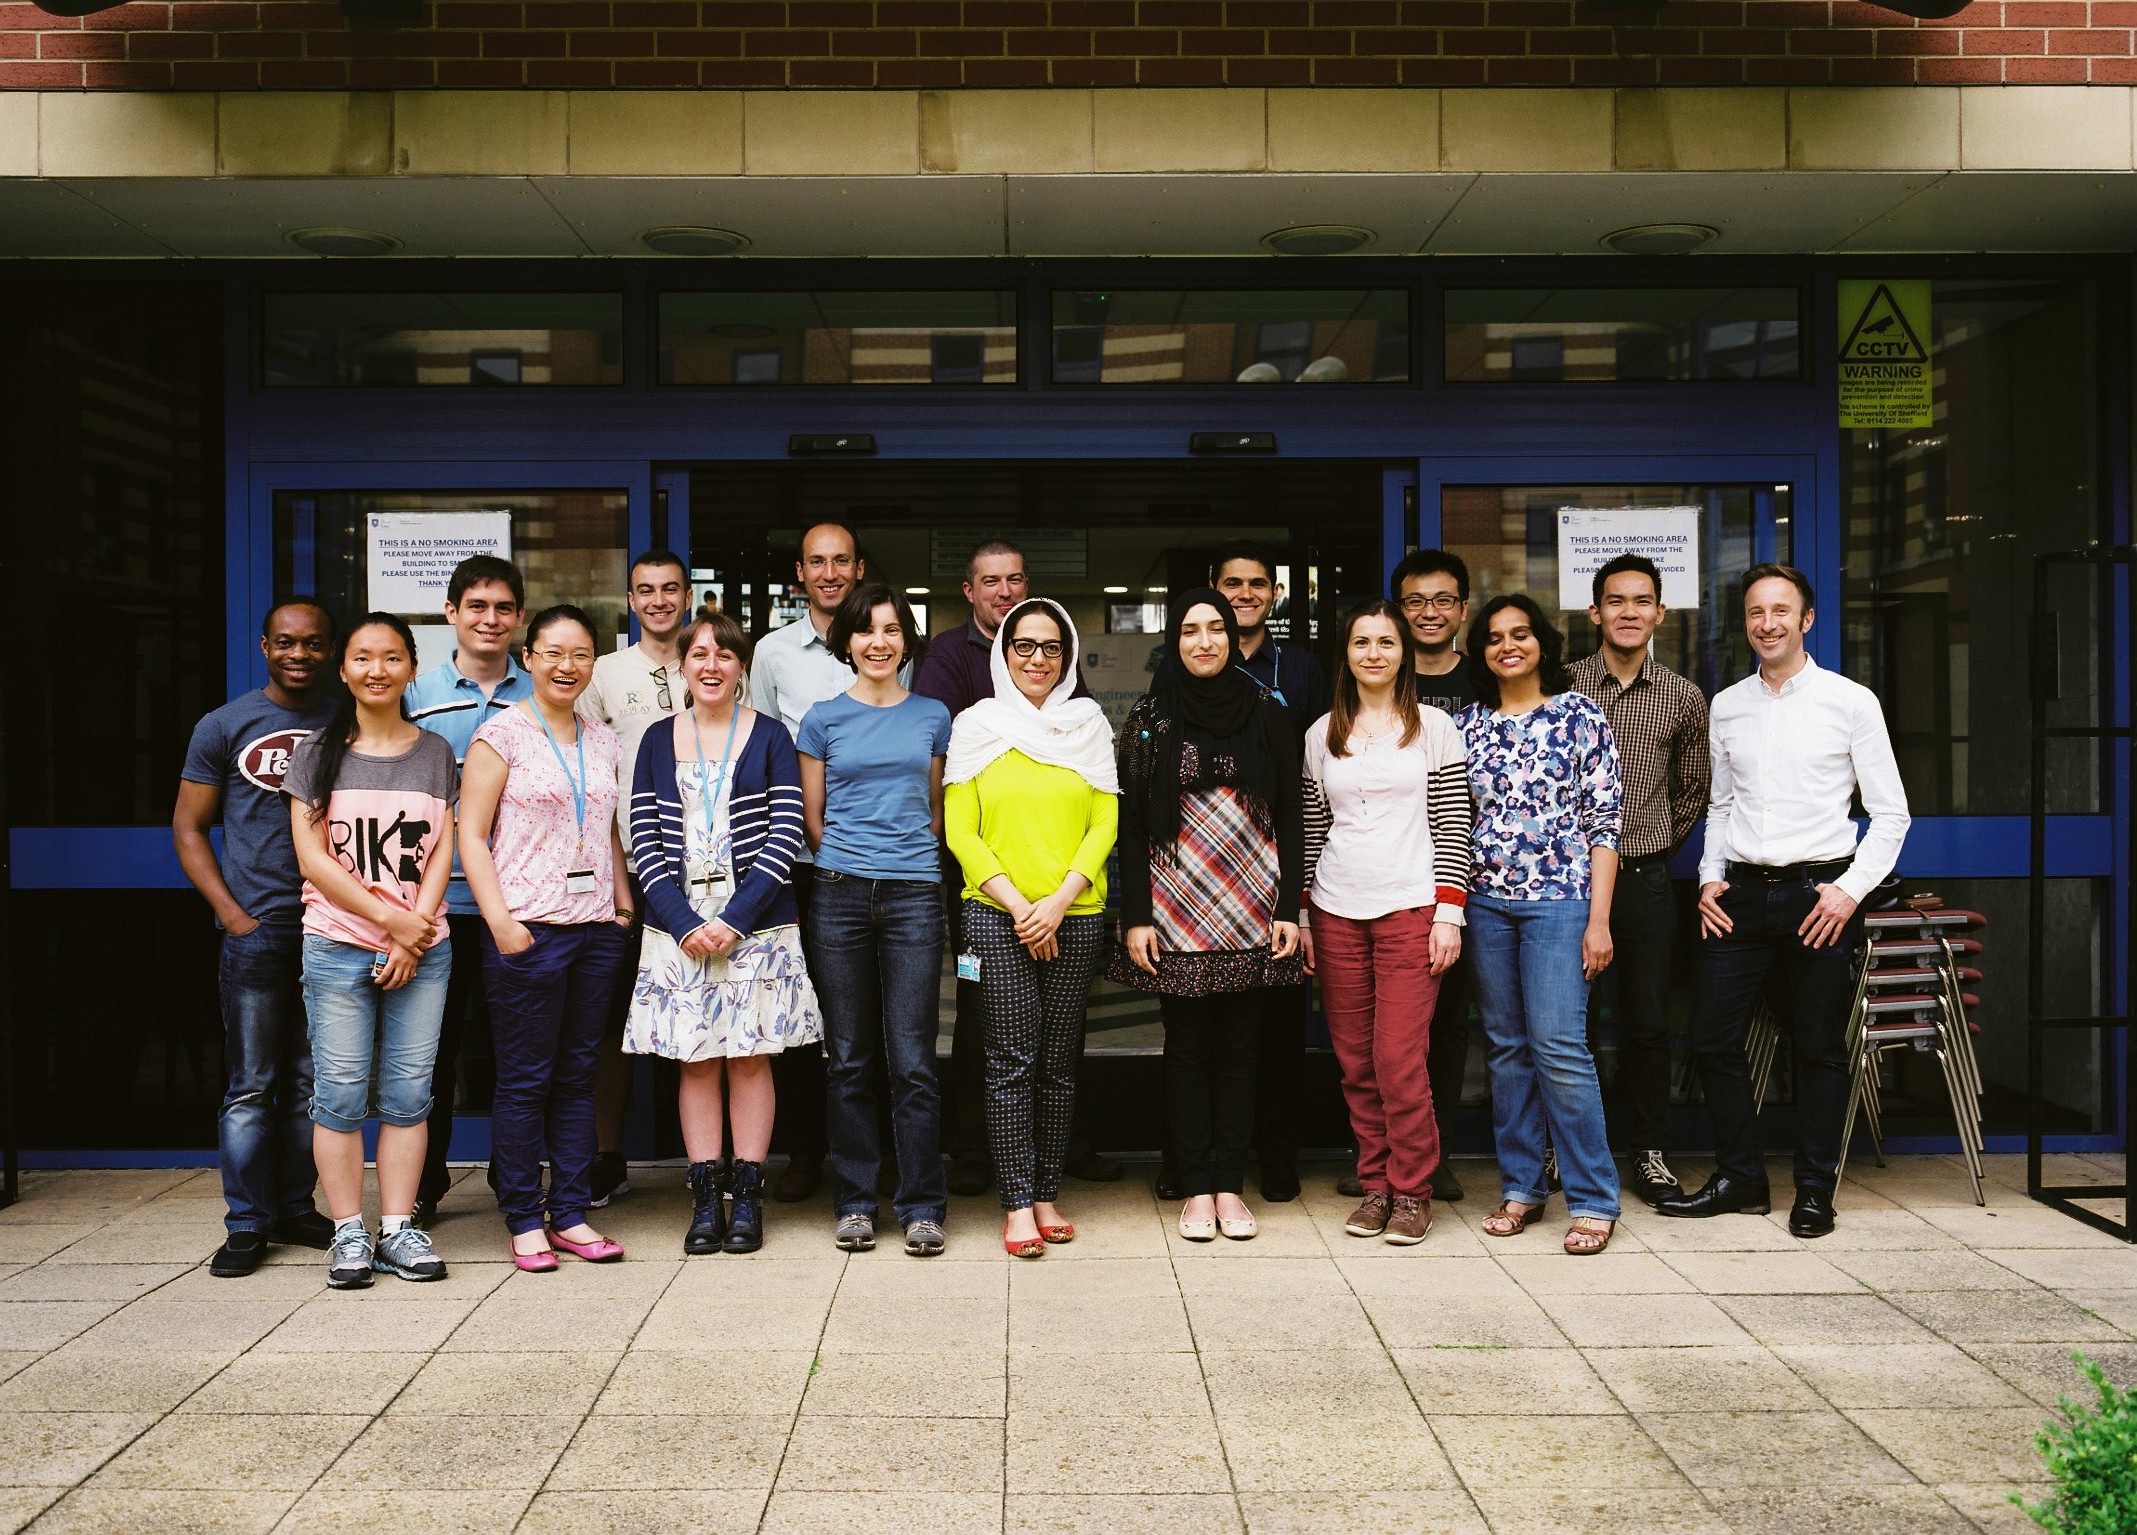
(1534, 1002)
(876, 950)
(548, 1006)
(354, 1021)
(264, 1134)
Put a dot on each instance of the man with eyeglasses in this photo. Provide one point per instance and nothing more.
(632, 688)
(1245, 574)
(485, 598)
(957, 671)
(1431, 587)
(792, 672)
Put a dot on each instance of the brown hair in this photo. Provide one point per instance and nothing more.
(1345, 712)
(1771, 571)
(726, 635)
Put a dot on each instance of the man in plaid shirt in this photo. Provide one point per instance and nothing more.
(1660, 721)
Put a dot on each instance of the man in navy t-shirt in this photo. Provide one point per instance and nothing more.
(233, 771)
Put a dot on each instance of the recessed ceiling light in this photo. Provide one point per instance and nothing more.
(691, 240)
(1317, 239)
(916, 591)
(1116, 591)
(327, 240)
(1156, 588)
(1659, 239)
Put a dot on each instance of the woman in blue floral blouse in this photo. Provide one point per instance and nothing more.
(1544, 770)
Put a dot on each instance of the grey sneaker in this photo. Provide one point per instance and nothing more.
(856, 1233)
(923, 1238)
(408, 1253)
(348, 1261)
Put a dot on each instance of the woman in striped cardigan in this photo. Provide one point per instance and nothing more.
(715, 826)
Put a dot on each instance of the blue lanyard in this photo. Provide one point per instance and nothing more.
(578, 785)
(1275, 688)
(712, 789)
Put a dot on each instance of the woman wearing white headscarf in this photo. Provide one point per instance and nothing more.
(1030, 811)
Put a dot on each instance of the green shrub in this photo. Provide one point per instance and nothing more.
(2092, 1459)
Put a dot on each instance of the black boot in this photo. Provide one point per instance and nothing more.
(708, 1216)
(745, 1225)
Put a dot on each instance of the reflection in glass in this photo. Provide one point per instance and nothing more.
(1941, 524)
(1220, 337)
(1621, 335)
(838, 338)
(1508, 535)
(312, 340)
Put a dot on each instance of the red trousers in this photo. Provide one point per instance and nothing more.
(1378, 990)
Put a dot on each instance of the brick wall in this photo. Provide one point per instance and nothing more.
(925, 44)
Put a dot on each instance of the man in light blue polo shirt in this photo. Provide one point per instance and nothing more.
(484, 602)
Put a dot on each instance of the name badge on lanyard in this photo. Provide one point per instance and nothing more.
(580, 880)
(705, 872)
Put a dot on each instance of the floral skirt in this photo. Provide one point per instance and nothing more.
(755, 1001)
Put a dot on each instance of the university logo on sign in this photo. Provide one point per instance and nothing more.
(263, 761)
(1885, 371)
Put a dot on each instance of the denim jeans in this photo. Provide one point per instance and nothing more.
(876, 957)
(1821, 991)
(355, 1023)
(1534, 1001)
(264, 1133)
(548, 1005)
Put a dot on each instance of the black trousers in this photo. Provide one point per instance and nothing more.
(798, 1070)
(1643, 926)
(1821, 982)
(1279, 1077)
(466, 1023)
(1447, 1052)
(1211, 1045)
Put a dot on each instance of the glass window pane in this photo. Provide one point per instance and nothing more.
(1508, 535)
(838, 338)
(405, 339)
(113, 395)
(1941, 526)
(1174, 336)
(1621, 335)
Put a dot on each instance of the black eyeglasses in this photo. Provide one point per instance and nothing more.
(1026, 649)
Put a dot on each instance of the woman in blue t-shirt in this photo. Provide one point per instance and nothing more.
(871, 784)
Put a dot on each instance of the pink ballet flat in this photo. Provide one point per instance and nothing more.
(532, 1263)
(600, 1250)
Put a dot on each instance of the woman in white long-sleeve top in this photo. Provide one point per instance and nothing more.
(716, 822)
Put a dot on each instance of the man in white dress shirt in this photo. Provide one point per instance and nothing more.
(1781, 879)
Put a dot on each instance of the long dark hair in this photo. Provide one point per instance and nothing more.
(1345, 712)
(336, 736)
(1551, 673)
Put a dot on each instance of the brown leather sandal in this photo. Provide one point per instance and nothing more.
(1510, 1224)
(1581, 1240)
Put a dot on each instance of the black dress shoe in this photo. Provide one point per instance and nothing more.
(1168, 1187)
(311, 1229)
(1813, 1213)
(1091, 1167)
(240, 1255)
(1279, 1182)
(1350, 1188)
(1720, 1195)
(971, 1175)
(1446, 1187)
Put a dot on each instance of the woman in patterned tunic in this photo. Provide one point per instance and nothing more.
(1211, 857)
(1544, 770)
(722, 988)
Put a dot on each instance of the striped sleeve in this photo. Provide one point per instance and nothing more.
(655, 829)
(1451, 810)
(1317, 820)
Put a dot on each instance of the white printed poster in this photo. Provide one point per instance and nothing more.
(1589, 540)
(412, 554)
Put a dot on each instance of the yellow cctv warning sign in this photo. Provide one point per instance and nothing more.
(1884, 362)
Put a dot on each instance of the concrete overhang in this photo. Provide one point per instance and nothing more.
(1070, 172)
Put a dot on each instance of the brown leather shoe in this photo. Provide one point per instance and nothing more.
(1409, 1222)
(1371, 1216)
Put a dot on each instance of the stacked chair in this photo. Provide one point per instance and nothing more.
(1911, 993)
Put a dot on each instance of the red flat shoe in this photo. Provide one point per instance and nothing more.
(600, 1250)
(544, 1262)
(1065, 1232)
(1022, 1247)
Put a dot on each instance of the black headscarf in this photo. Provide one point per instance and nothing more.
(1238, 742)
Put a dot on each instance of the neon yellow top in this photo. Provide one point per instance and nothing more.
(1033, 823)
